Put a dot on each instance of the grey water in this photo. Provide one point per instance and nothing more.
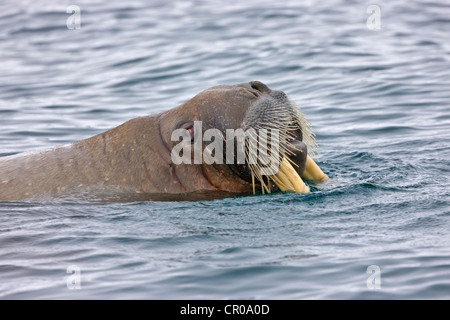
(375, 86)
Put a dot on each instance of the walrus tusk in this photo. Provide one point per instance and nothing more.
(313, 172)
(287, 179)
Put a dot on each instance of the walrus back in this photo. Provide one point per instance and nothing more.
(113, 161)
(32, 173)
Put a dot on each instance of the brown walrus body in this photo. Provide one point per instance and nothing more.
(133, 161)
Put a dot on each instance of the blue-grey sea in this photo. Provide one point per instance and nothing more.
(372, 77)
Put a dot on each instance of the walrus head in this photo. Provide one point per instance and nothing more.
(275, 143)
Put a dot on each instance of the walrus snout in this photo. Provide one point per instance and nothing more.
(256, 88)
(259, 86)
(299, 154)
(274, 112)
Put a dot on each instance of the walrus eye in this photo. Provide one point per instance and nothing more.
(190, 129)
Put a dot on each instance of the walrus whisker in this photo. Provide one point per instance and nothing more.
(253, 182)
(306, 128)
(292, 162)
(288, 120)
(279, 183)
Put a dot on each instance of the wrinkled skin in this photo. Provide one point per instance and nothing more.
(133, 161)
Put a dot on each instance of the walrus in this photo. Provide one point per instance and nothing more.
(135, 161)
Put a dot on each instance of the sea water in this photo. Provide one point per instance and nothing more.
(373, 78)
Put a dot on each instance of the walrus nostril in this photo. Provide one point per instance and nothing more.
(261, 87)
